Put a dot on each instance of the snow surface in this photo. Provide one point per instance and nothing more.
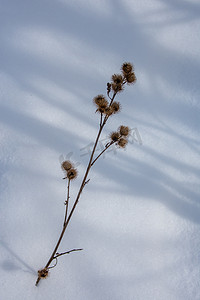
(139, 217)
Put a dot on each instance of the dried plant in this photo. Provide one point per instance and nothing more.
(106, 108)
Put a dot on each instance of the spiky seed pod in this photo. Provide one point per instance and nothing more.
(124, 130)
(43, 273)
(99, 99)
(117, 78)
(131, 78)
(114, 136)
(116, 107)
(109, 111)
(66, 165)
(122, 142)
(116, 88)
(117, 82)
(101, 103)
(72, 174)
(103, 107)
(127, 68)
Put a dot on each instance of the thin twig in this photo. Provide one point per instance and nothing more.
(100, 124)
(106, 147)
(111, 101)
(67, 202)
(67, 252)
(87, 181)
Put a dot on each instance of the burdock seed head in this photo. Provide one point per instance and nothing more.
(66, 165)
(117, 82)
(131, 78)
(109, 111)
(72, 174)
(117, 78)
(122, 142)
(116, 107)
(99, 99)
(124, 130)
(127, 68)
(114, 136)
(101, 103)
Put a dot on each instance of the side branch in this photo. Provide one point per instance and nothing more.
(67, 252)
(106, 147)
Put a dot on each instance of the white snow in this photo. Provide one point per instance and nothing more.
(138, 219)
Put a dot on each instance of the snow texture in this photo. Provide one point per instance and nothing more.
(138, 219)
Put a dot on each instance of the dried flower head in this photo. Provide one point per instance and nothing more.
(114, 136)
(124, 130)
(127, 68)
(117, 78)
(99, 99)
(122, 142)
(43, 273)
(116, 107)
(72, 174)
(117, 82)
(109, 111)
(102, 108)
(66, 165)
(101, 103)
(131, 78)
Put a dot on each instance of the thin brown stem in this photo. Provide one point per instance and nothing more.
(67, 252)
(101, 120)
(113, 97)
(86, 174)
(67, 202)
(111, 101)
(75, 203)
(106, 147)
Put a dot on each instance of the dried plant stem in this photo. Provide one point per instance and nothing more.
(67, 252)
(106, 110)
(101, 118)
(67, 202)
(67, 219)
(106, 147)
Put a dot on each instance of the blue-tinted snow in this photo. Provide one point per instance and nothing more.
(139, 217)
